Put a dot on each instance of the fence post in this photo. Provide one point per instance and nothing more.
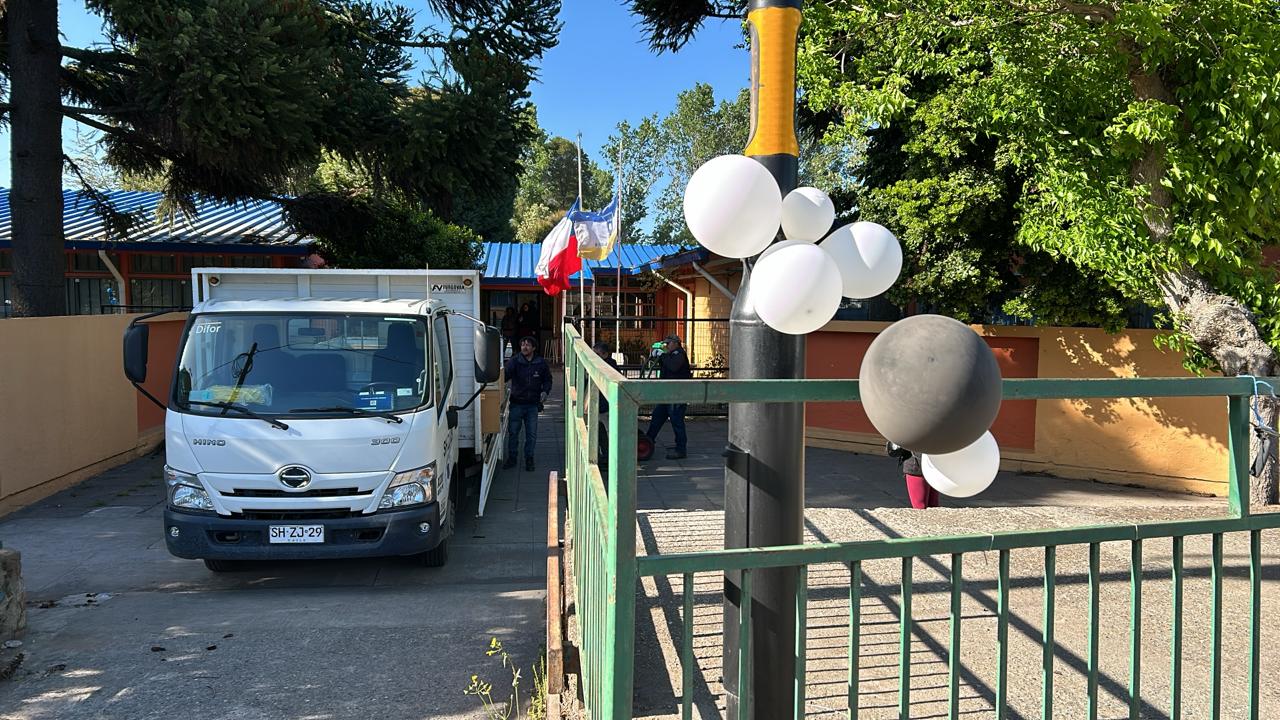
(1238, 455)
(620, 633)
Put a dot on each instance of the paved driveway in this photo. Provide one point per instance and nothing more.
(118, 628)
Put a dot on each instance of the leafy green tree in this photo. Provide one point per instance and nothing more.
(640, 150)
(1144, 132)
(360, 230)
(235, 99)
(548, 186)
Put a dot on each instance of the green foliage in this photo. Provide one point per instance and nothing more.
(548, 185)
(641, 148)
(510, 708)
(244, 98)
(363, 231)
(1140, 135)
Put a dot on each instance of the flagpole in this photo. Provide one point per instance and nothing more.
(617, 303)
(582, 300)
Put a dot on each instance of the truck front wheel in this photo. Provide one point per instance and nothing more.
(220, 566)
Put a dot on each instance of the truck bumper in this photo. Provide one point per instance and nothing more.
(383, 534)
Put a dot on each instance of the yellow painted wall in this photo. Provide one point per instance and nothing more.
(1173, 443)
(66, 409)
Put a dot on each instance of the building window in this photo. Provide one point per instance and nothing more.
(159, 294)
(88, 296)
(6, 305)
(154, 264)
(89, 262)
(249, 261)
(6, 260)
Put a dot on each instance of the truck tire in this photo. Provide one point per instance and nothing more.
(220, 566)
(439, 555)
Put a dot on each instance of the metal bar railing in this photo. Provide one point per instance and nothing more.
(603, 516)
(1002, 636)
(1046, 668)
(1135, 629)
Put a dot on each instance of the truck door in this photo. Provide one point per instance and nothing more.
(446, 391)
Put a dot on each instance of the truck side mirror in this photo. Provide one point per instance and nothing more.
(488, 351)
(135, 352)
(451, 417)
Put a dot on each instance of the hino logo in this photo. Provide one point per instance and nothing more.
(295, 477)
(208, 441)
(385, 441)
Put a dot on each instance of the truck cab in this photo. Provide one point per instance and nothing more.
(323, 414)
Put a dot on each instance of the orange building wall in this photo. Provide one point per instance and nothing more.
(837, 352)
(1167, 443)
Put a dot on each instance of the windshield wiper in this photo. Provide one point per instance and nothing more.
(351, 411)
(240, 409)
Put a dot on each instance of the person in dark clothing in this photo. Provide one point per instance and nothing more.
(672, 365)
(922, 494)
(601, 348)
(530, 381)
(509, 329)
(529, 324)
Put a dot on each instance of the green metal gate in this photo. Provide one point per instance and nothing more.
(603, 523)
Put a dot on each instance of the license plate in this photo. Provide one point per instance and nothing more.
(296, 534)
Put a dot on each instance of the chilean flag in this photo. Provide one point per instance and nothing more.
(559, 259)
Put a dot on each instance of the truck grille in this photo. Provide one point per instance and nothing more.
(297, 514)
(331, 492)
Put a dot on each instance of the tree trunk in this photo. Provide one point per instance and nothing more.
(1222, 326)
(35, 196)
(1228, 331)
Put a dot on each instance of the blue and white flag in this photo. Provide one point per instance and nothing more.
(596, 231)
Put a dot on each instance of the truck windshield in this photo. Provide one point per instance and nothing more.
(283, 364)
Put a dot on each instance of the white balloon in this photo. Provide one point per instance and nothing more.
(778, 246)
(869, 257)
(965, 472)
(807, 214)
(733, 206)
(795, 289)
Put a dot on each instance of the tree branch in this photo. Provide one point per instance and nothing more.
(1097, 14)
(113, 57)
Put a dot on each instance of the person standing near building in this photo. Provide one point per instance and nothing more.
(919, 491)
(530, 381)
(509, 330)
(601, 349)
(673, 364)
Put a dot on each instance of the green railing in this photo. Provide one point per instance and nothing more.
(603, 527)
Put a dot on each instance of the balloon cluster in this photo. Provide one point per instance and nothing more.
(928, 383)
(733, 206)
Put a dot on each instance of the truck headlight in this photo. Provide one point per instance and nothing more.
(185, 491)
(412, 487)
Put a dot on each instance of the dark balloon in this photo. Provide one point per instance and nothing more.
(930, 384)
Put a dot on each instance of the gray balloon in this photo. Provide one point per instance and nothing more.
(930, 384)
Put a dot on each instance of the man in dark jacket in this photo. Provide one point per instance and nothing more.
(673, 364)
(530, 381)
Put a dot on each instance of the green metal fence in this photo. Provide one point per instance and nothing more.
(606, 569)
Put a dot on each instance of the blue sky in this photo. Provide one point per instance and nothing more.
(602, 71)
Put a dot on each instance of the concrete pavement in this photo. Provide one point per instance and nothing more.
(118, 628)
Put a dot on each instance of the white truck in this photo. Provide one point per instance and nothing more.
(323, 413)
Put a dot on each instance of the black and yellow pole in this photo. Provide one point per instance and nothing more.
(764, 472)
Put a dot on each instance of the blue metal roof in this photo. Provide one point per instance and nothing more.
(516, 261)
(252, 222)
